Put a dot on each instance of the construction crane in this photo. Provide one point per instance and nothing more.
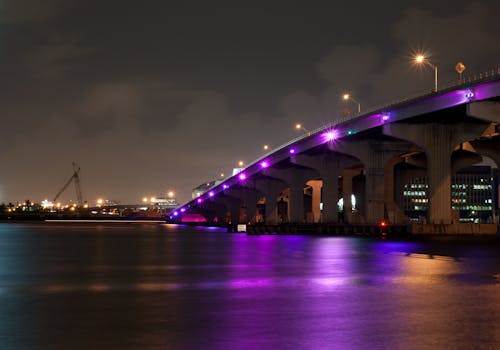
(75, 177)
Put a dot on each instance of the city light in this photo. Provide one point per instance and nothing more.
(264, 164)
(422, 59)
(348, 97)
(170, 194)
(265, 147)
(242, 176)
(241, 163)
(292, 151)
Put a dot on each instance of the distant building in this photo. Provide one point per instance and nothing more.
(473, 195)
(165, 203)
(204, 187)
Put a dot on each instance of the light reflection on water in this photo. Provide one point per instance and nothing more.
(166, 286)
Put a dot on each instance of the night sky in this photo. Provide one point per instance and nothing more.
(150, 96)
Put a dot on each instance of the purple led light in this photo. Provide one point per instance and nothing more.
(385, 117)
(211, 194)
(176, 213)
(292, 151)
(242, 176)
(199, 200)
(469, 94)
(225, 186)
(330, 135)
(183, 210)
(264, 164)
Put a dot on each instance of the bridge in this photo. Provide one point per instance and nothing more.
(415, 150)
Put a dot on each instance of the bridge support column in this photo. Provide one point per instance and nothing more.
(233, 206)
(329, 167)
(249, 198)
(296, 178)
(347, 175)
(271, 189)
(316, 199)
(438, 141)
(374, 154)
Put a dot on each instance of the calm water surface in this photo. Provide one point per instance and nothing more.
(172, 287)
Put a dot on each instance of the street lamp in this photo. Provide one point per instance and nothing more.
(241, 163)
(421, 59)
(265, 147)
(299, 126)
(347, 97)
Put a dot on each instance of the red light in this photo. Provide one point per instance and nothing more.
(383, 223)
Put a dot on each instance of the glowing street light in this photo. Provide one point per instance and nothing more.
(241, 163)
(421, 59)
(170, 194)
(299, 127)
(348, 97)
(265, 147)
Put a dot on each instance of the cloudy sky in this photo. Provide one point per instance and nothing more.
(150, 96)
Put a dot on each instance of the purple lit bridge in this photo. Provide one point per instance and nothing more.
(413, 163)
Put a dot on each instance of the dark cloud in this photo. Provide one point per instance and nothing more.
(157, 96)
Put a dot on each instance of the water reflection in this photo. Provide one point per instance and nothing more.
(190, 288)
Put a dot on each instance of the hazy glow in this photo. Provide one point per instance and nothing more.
(171, 194)
(199, 200)
(241, 163)
(242, 176)
(292, 150)
(385, 117)
(183, 210)
(330, 135)
(420, 58)
(225, 186)
(211, 194)
(346, 97)
(264, 164)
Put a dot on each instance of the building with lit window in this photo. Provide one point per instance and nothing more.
(474, 195)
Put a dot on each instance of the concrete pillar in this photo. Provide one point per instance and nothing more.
(316, 198)
(374, 154)
(295, 178)
(347, 175)
(438, 141)
(248, 198)
(270, 189)
(328, 166)
(233, 206)
(395, 215)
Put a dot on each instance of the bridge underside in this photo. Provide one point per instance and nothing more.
(437, 172)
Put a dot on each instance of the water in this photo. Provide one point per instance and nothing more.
(171, 287)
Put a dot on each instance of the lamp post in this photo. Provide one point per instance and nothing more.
(421, 59)
(299, 126)
(347, 97)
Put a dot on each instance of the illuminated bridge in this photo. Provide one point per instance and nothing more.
(411, 163)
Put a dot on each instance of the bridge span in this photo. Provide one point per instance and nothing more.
(401, 163)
